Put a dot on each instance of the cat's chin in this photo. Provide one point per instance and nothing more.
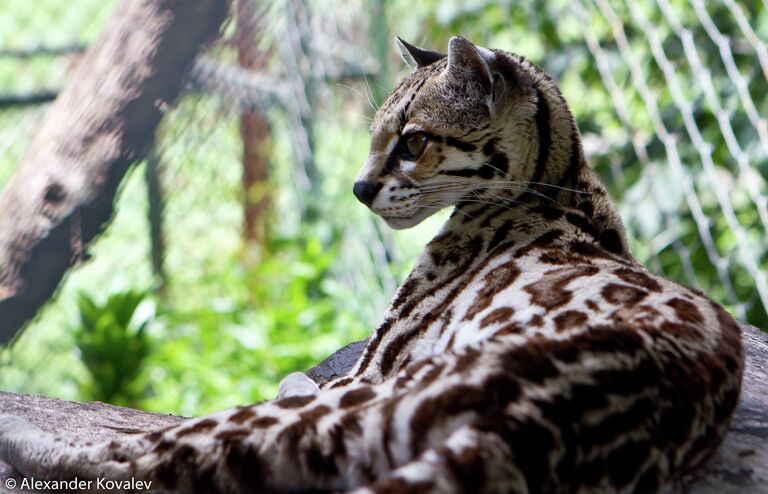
(402, 223)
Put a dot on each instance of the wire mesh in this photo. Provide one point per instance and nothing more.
(690, 155)
(670, 96)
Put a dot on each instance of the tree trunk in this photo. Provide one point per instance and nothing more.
(156, 206)
(104, 120)
(254, 132)
(739, 466)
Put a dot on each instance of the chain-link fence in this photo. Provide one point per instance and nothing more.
(265, 141)
(716, 176)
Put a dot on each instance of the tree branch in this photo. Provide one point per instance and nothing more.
(740, 465)
(104, 120)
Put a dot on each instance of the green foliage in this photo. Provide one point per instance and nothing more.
(226, 329)
(285, 314)
(114, 344)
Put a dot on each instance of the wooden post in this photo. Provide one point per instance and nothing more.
(156, 206)
(254, 132)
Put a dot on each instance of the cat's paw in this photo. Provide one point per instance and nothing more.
(296, 384)
(14, 425)
(14, 431)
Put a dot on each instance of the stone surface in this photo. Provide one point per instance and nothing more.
(740, 466)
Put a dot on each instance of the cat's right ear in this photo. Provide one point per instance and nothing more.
(416, 57)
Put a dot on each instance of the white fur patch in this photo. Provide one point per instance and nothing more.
(407, 166)
(391, 144)
(296, 384)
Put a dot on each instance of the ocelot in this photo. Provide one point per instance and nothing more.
(527, 351)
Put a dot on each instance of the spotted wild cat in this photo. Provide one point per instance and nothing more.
(527, 351)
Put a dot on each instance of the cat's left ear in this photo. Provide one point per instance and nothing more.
(416, 57)
(473, 63)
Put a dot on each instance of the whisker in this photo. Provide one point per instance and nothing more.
(472, 186)
(351, 114)
(458, 184)
(357, 92)
(490, 203)
(439, 205)
(539, 194)
(477, 186)
(475, 199)
(518, 182)
(542, 184)
(505, 174)
(506, 202)
(561, 188)
(371, 99)
(446, 188)
(513, 181)
(468, 184)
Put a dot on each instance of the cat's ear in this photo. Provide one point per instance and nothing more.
(473, 63)
(416, 57)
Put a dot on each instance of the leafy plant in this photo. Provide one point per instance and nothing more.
(282, 314)
(113, 342)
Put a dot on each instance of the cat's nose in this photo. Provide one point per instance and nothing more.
(366, 191)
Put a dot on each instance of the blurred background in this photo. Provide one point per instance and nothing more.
(237, 252)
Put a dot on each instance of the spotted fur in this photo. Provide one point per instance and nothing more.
(526, 352)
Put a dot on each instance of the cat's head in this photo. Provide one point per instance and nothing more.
(457, 128)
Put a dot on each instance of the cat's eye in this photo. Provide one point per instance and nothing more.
(415, 144)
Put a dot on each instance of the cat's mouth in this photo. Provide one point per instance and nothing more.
(403, 222)
(398, 223)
